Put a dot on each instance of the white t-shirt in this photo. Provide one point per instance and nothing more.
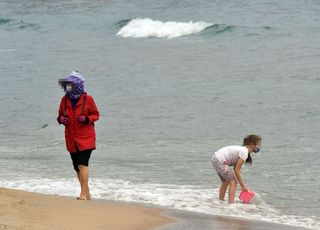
(229, 155)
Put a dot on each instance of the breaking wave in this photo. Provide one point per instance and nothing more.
(148, 28)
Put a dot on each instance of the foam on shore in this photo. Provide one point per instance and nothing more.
(180, 197)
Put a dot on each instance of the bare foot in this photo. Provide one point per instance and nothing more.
(82, 197)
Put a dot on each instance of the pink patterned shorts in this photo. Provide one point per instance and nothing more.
(224, 171)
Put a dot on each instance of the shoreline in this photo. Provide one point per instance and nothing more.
(30, 210)
(195, 221)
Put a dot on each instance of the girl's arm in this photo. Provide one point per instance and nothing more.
(237, 169)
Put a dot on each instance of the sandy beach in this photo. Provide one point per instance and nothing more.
(25, 210)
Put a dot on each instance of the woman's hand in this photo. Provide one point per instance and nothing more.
(64, 120)
(83, 119)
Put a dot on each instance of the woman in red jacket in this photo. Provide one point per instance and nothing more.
(77, 113)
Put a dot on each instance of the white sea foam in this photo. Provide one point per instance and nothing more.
(145, 28)
(257, 199)
(185, 197)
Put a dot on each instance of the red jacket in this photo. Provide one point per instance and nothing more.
(78, 133)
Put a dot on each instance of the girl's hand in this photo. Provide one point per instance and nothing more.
(245, 189)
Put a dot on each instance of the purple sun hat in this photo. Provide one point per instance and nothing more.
(77, 80)
(75, 77)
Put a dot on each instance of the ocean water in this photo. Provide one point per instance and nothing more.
(174, 81)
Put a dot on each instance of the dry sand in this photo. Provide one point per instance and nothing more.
(25, 210)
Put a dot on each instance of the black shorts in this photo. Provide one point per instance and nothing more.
(80, 158)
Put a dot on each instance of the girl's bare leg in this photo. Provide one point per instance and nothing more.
(223, 189)
(232, 191)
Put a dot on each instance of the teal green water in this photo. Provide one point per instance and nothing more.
(167, 104)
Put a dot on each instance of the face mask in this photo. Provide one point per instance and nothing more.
(256, 150)
(68, 87)
(65, 85)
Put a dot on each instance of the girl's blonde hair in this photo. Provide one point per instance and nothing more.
(251, 139)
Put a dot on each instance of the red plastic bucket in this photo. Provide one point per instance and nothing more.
(246, 196)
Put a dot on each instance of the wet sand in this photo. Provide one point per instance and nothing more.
(195, 221)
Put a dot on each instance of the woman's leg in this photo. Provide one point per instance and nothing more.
(75, 159)
(83, 166)
(232, 191)
(84, 179)
(78, 175)
(223, 190)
